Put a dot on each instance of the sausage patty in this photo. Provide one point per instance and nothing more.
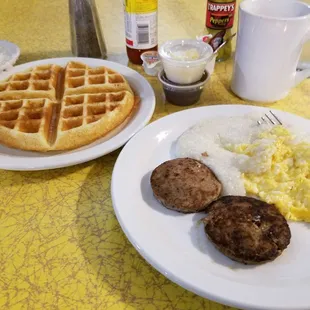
(185, 185)
(247, 230)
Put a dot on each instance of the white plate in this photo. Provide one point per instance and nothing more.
(12, 159)
(175, 244)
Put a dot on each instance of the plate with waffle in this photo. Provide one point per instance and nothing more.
(65, 111)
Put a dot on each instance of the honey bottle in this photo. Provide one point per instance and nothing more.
(219, 22)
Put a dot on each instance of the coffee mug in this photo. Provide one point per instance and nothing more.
(270, 37)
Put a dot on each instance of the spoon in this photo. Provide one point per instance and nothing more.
(222, 44)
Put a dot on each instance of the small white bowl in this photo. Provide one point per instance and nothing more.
(9, 53)
(184, 61)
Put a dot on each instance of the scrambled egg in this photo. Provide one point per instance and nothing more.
(277, 170)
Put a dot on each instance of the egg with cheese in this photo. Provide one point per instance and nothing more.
(282, 174)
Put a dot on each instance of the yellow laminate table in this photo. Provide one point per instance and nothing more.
(61, 246)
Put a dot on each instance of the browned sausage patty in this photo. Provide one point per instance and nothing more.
(185, 185)
(247, 230)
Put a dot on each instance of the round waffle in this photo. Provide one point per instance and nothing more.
(51, 108)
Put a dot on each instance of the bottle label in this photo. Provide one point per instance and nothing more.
(141, 23)
(220, 15)
(217, 40)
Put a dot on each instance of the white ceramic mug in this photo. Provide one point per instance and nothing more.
(271, 34)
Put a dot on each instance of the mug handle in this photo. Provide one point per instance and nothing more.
(305, 72)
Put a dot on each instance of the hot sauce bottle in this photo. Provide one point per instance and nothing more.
(140, 27)
(219, 21)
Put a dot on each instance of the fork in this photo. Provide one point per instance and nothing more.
(273, 119)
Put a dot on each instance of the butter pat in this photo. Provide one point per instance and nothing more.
(190, 54)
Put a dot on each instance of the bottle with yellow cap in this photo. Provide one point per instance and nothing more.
(140, 27)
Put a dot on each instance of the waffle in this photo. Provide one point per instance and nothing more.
(25, 123)
(85, 118)
(81, 79)
(47, 108)
(38, 82)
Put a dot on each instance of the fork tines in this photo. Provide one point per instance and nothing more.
(273, 119)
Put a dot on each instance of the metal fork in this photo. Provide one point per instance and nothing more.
(273, 119)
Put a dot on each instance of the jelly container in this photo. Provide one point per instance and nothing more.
(151, 63)
(183, 95)
(184, 61)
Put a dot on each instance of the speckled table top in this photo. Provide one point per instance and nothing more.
(61, 246)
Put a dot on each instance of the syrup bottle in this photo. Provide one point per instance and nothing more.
(140, 27)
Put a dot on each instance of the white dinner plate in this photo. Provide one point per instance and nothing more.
(176, 245)
(12, 159)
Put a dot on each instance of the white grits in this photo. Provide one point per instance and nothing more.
(211, 136)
